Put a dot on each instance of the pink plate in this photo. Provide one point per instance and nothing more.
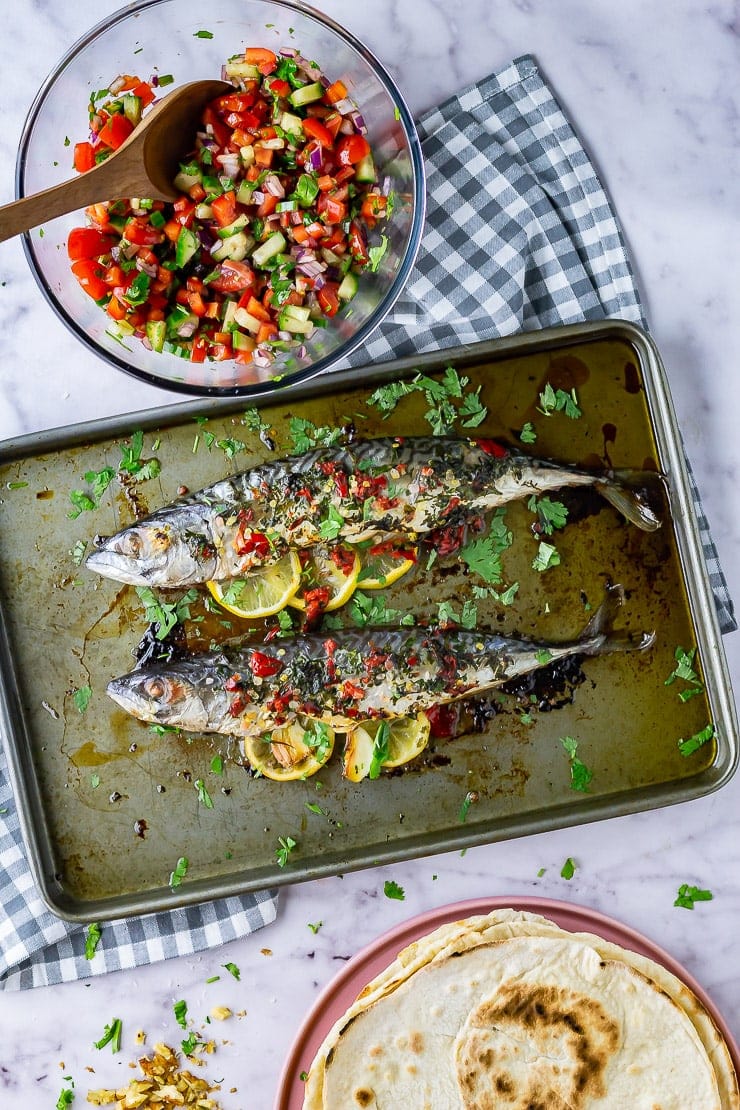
(344, 987)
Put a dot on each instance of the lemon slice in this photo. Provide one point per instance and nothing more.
(334, 568)
(266, 591)
(367, 749)
(386, 562)
(292, 751)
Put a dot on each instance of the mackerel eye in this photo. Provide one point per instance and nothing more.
(130, 545)
(156, 688)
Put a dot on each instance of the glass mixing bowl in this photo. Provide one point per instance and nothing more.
(161, 36)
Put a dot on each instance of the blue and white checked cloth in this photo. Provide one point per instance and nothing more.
(520, 235)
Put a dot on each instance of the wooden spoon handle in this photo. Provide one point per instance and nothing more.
(103, 182)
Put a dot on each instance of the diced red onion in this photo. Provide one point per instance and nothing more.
(359, 123)
(296, 217)
(206, 238)
(285, 335)
(130, 250)
(145, 342)
(319, 281)
(263, 357)
(149, 268)
(116, 86)
(287, 52)
(345, 106)
(311, 71)
(311, 269)
(139, 333)
(301, 352)
(347, 127)
(230, 162)
(257, 196)
(386, 187)
(324, 81)
(316, 157)
(224, 74)
(274, 187)
(188, 328)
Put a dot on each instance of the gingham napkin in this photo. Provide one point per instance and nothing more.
(519, 235)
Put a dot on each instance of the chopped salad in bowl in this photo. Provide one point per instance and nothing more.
(299, 213)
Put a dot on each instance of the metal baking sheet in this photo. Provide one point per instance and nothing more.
(108, 807)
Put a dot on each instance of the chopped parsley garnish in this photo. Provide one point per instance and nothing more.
(78, 552)
(230, 447)
(568, 870)
(440, 395)
(483, 556)
(204, 797)
(393, 890)
(543, 657)
(190, 1043)
(95, 780)
(331, 525)
(203, 35)
(541, 872)
(687, 895)
(381, 745)
(557, 400)
(81, 698)
(466, 618)
(131, 460)
(111, 1036)
(376, 254)
(217, 765)
(286, 844)
(698, 740)
(466, 804)
(366, 609)
(180, 1010)
(550, 514)
(254, 422)
(316, 737)
(84, 502)
(528, 433)
(313, 807)
(165, 614)
(306, 435)
(547, 556)
(315, 926)
(92, 939)
(580, 775)
(685, 671)
(181, 870)
(232, 970)
(66, 1098)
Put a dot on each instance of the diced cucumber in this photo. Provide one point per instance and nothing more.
(185, 181)
(132, 108)
(267, 250)
(245, 320)
(296, 312)
(242, 342)
(243, 69)
(121, 328)
(306, 94)
(286, 206)
(186, 246)
(203, 212)
(228, 317)
(365, 170)
(294, 325)
(156, 331)
(239, 224)
(234, 248)
(291, 124)
(348, 286)
(246, 153)
(244, 192)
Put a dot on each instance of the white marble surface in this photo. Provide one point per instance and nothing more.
(653, 90)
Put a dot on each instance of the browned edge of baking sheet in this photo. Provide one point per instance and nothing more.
(485, 822)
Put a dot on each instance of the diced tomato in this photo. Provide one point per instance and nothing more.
(145, 93)
(140, 232)
(333, 123)
(88, 242)
(184, 211)
(197, 192)
(234, 102)
(279, 87)
(268, 205)
(224, 208)
(115, 130)
(234, 278)
(84, 157)
(116, 309)
(219, 130)
(199, 349)
(259, 56)
(266, 333)
(254, 308)
(358, 244)
(328, 298)
(373, 206)
(172, 230)
(90, 276)
(126, 83)
(333, 211)
(351, 149)
(263, 156)
(196, 304)
(336, 91)
(316, 130)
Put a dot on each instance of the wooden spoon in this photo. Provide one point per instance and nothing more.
(145, 165)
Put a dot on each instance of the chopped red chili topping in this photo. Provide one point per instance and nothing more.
(491, 447)
(264, 666)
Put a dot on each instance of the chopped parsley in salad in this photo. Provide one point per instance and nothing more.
(270, 232)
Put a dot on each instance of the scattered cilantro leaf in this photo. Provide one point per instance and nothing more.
(580, 775)
(111, 1036)
(190, 1043)
(165, 614)
(366, 609)
(92, 939)
(180, 1010)
(203, 35)
(331, 525)
(181, 870)
(204, 798)
(687, 895)
(306, 435)
(315, 926)
(95, 780)
(230, 447)
(528, 433)
(393, 890)
(557, 400)
(316, 737)
(66, 1098)
(547, 556)
(81, 698)
(233, 970)
(464, 808)
(568, 870)
(688, 747)
(483, 555)
(472, 410)
(381, 745)
(550, 514)
(543, 657)
(78, 552)
(286, 844)
(376, 253)
(217, 765)
(439, 395)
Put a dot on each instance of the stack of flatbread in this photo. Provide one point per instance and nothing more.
(508, 1010)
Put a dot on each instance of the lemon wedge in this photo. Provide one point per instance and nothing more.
(292, 751)
(388, 562)
(264, 592)
(374, 745)
(335, 569)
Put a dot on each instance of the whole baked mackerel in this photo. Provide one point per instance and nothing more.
(369, 489)
(249, 687)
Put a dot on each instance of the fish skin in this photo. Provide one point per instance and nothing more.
(380, 487)
(346, 676)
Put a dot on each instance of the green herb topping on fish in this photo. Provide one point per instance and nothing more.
(371, 488)
(249, 687)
